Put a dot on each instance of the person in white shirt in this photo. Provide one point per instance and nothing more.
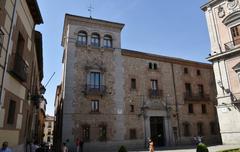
(64, 148)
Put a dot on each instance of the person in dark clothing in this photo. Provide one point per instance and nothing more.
(81, 145)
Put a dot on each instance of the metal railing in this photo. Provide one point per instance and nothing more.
(155, 93)
(18, 67)
(94, 89)
(196, 96)
(232, 44)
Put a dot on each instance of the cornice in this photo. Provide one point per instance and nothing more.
(210, 4)
(148, 56)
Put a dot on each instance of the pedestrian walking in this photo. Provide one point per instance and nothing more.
(78, 144)
(64, 148)
(5, 147)
(81, 145)
(151, 145)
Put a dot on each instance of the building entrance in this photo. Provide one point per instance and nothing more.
(157, 131)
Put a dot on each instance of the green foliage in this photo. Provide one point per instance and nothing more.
(122, 149)
(202, 148)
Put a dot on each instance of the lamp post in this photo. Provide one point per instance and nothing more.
(228, 91)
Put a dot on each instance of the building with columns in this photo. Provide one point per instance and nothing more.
(223, 20)
(111, 96)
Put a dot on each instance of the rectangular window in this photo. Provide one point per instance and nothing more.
(150, 65)
(103, 133)
(188, 89)
(20, 44)
(48, 139)
(213, 128)
(154, 84)
(95, 80)
(133, 134)
(155, 66)
(86, 133)
(200, 90)
(132, 108)
(236, 34)
(200, 129)
(190, 108)
(186, 130)
(198, 72)
(204, 109)
(185, 70)
(49, 125)
(95, 106)
(133, 83)
(11, 112)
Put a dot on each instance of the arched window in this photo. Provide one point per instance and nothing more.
(200, 128)
(107, 41)
(213, 128)
(82, 38)
(95, 40)
(186, 129)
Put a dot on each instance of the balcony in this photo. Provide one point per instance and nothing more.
(232, 45)
(155, 93)
(95, 90)
(196, 97)
(18, 67)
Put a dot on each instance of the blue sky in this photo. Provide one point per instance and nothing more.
(172, 28)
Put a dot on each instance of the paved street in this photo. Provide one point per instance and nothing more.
(192, 149)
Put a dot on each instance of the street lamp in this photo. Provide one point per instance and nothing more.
(233, 98)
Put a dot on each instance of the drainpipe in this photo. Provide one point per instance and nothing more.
(176, 104)
(7, 50)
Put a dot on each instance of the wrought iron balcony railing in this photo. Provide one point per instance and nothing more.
(232, 45)
(94, 89)
(18, 67)
(196, 97)
(155, 93)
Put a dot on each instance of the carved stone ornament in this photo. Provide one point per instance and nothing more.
(232, 4)
(221, 12)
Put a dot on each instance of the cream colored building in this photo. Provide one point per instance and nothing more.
(21, 71)
(48, 130)
(111, 96)
(223, 20)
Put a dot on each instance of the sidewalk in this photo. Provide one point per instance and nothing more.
(193, 149)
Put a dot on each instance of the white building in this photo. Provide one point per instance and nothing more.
(223, 19)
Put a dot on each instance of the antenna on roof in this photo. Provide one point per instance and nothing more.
(90, 9)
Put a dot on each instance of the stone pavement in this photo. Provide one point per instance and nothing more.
(193, 149)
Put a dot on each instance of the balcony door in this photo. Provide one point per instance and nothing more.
(95, 80)
(236, 34)
(154, 84)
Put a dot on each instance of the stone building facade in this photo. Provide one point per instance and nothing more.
(223, 20)
(48, 130)
(21, 72)
(112, 96)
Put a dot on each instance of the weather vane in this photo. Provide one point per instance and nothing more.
(90, 9)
